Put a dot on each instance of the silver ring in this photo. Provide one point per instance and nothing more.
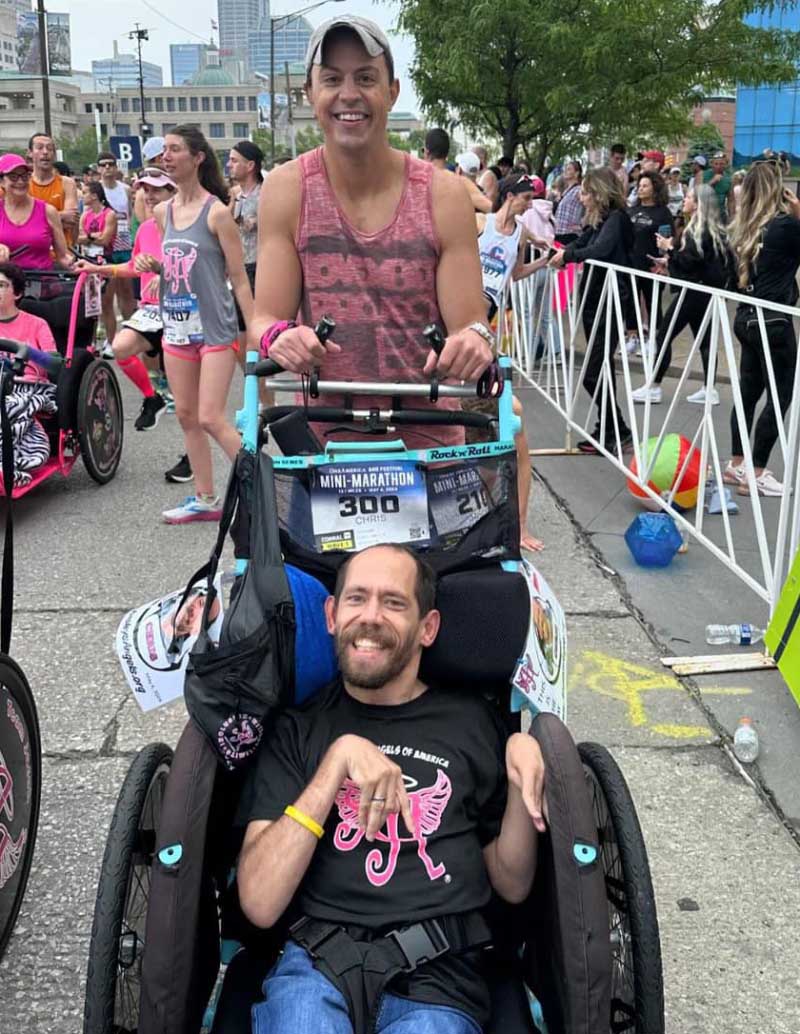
(378, 800)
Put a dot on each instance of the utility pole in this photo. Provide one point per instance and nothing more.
(43, 66)
(139, 35)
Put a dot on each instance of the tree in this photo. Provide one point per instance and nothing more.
(80, 151)
(553, 76)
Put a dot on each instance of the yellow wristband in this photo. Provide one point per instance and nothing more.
(304, 820)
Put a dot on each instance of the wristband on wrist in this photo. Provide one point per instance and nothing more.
(304, 820)
(270, 335)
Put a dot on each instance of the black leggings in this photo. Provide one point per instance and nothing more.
(594, 364)
(690, 314)
(754, 380)
(644, 288)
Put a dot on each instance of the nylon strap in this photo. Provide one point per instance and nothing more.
(7, 578)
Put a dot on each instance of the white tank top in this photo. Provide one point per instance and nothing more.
(498, 257)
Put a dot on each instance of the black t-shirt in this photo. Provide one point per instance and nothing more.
(451, 748)
(776, 266)
(646, 220)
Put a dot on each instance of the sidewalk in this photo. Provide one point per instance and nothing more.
(725, 869)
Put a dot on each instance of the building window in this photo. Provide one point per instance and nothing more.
(170, 103)
(135, 104)
(252, 103)
(217, 104)
(216, 130)
(205, 103)
(241, 130)
(159, 103)
(229, 103)
(124, 128)
(193, 104)
(87, 108)
(181, 104)
(124, 104)
(241, 103)
(167, 127)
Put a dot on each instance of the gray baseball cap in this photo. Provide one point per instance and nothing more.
(371, 35)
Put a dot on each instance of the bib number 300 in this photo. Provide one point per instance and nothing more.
(366, 505)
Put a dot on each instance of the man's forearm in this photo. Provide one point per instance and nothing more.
(513, 860)
(271, 867)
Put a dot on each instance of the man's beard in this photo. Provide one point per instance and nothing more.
(393, 663)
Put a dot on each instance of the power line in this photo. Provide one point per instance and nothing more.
(183, 28)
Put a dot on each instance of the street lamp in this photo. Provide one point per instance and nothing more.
(285, 19)
(139, 35)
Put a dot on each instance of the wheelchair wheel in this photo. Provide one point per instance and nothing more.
(20, 790)
(637, 989)
(100, 421)
(115, 953)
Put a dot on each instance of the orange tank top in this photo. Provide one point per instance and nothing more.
(51, 193)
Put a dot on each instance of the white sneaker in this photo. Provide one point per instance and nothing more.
(632, 344)
(106, 351)
(734, 475)
(766, 484)
(699, 397)
(645, 394)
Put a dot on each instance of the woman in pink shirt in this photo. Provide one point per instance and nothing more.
(29, 228)
(141, 333)
(22, 326)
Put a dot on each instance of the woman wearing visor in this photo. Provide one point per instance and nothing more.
(141, 333)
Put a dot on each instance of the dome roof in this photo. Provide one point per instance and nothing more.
(212, 75)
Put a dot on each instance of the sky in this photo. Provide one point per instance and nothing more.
(96, 23)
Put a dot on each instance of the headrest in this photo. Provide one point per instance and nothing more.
(485, 620)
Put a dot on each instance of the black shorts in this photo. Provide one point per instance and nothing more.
(145, 323)
(250, 269)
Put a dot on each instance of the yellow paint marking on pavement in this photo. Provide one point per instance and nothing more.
(628, 682)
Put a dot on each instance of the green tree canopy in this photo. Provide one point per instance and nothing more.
(80, 151)
(553, 76)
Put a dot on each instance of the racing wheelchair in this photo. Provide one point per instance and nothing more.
(582, 954)
(87, 414)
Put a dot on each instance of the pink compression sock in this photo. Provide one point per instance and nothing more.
(135, 370)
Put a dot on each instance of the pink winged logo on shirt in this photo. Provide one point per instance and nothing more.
(177, 267)
(427, 808)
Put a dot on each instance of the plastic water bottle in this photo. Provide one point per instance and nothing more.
(741, 635)
(745, 741)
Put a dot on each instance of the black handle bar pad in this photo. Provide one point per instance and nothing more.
(269, 368)
(340, 415)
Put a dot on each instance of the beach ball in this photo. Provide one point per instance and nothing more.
(666, 470)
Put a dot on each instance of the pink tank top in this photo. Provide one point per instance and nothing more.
(379, 287)
(95, 222)
(35, 234)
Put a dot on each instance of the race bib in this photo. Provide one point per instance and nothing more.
(93, 251)
(540, 677)
(146, 320)
(458, 499)
(180, 314)
(354, 505)
(92, 297)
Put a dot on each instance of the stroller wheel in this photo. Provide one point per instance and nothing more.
(115, 953)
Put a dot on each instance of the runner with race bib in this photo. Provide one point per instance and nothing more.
(202, 250)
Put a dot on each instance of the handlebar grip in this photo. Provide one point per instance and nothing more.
(267, 368)
(435, 338)
(50, 361)
(325, 328)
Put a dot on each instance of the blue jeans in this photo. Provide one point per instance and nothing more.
(300, 1000)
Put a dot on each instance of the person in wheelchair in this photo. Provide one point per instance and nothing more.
(382, 816)
(22, 326)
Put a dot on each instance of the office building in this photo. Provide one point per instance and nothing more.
(8, 39)
(16, 6)
(185, 61)
(291, 43)
(122, 70)
(238, 20)
(768, 117)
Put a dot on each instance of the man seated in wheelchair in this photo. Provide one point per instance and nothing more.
(386, 806)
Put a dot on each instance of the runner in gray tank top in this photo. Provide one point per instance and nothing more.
(202, 251)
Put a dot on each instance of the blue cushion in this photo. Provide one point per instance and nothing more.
(314, 654)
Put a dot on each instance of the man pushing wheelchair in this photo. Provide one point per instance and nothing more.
(383, 815)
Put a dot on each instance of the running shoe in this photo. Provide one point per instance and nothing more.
(106, 351)
(181, 472)
(150, 413)
(699, 397)
(766, 484)
(632, 344)
(732, 475)
(194, 509)
(645, 394)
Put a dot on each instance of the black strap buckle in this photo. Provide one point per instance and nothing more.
(312, 939)
(420, 943)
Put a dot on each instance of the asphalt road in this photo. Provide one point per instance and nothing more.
(726, 870)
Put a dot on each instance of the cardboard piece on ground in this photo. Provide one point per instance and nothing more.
(714, 663)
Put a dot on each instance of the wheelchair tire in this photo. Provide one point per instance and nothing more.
(100, 421)
(637, 989)
(117, 942)
(20, 791)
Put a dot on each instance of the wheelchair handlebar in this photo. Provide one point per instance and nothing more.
(49, 361)
(415, 417)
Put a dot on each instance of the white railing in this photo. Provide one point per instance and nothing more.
(550, 348)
